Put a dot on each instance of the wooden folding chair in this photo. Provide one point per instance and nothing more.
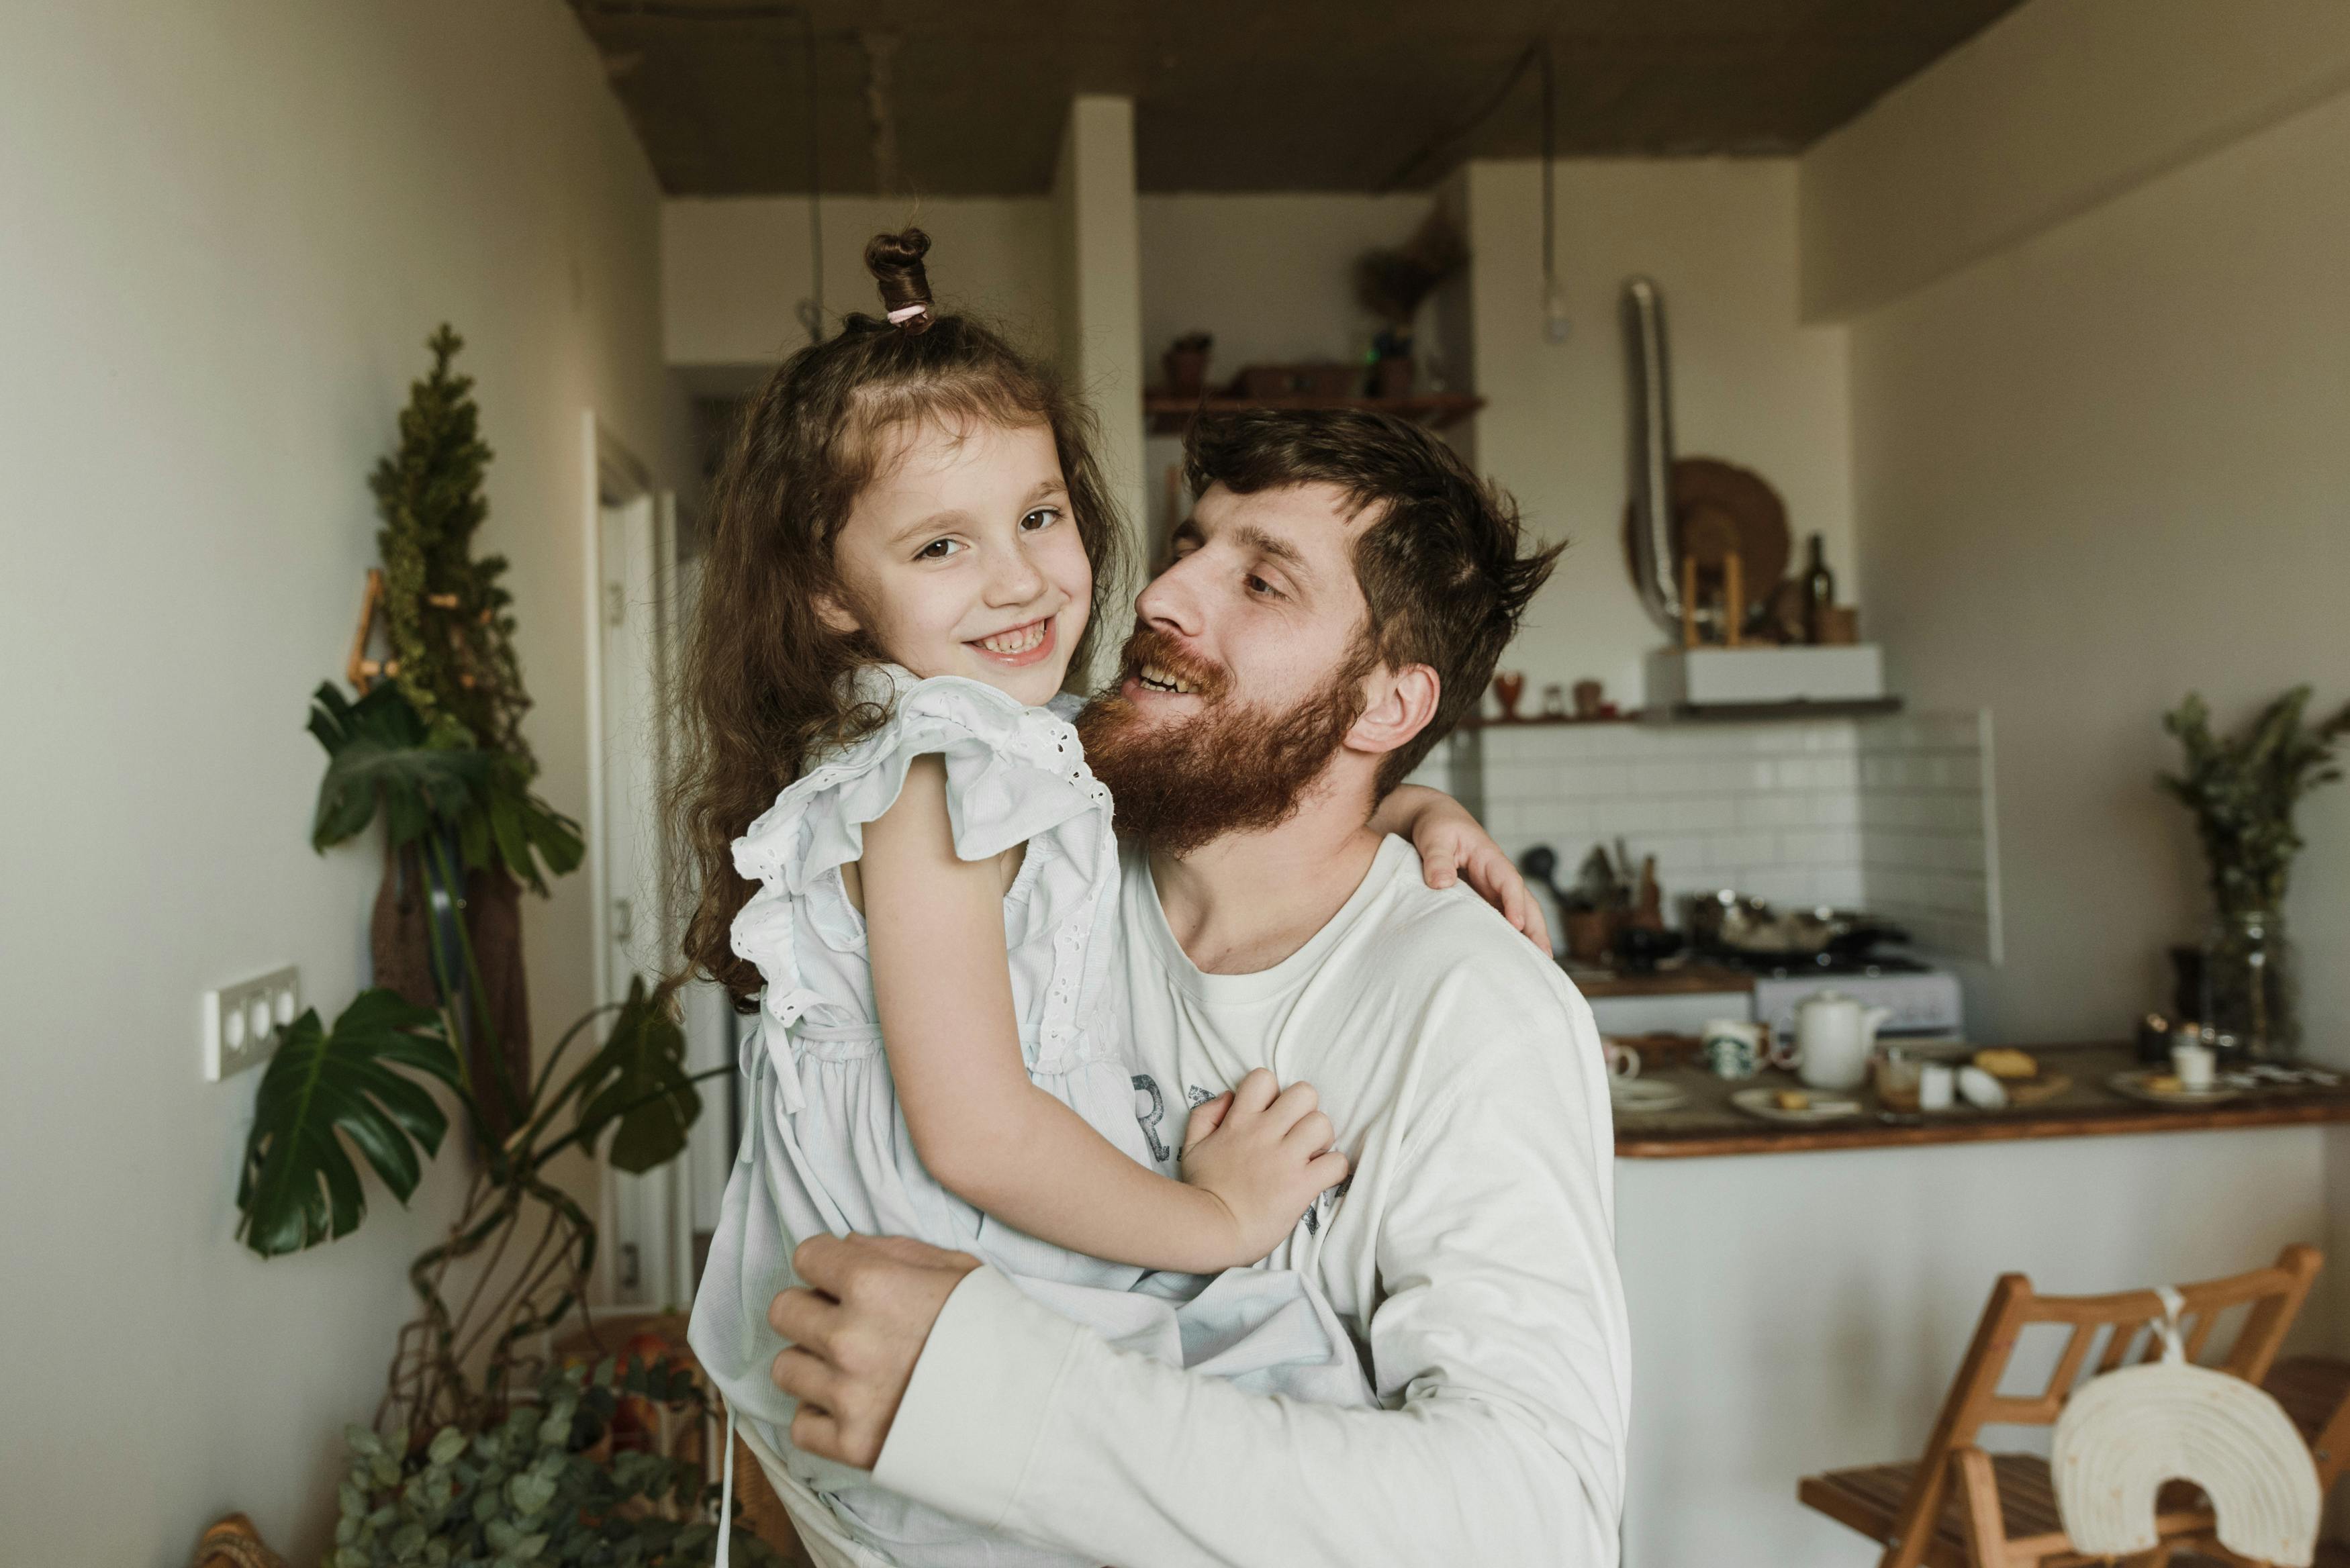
(1959, 1507)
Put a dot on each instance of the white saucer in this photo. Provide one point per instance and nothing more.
(1639, 1096)
(2135, 1086)
(1826, 1106)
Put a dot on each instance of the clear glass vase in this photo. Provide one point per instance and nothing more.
(2250, 986)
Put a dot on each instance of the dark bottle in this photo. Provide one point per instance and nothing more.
(1819, 592)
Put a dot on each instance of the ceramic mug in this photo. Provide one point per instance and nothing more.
(1623, 1060)
(1734, 1048)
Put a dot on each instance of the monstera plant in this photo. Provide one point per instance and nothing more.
(428, 747)
(364, 1087)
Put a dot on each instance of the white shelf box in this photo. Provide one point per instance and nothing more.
(1717, 678)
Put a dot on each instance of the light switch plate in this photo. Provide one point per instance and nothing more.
(243, 1022)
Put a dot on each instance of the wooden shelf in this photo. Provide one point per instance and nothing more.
(1169, 413)
(1757, 712)
(1533, 721)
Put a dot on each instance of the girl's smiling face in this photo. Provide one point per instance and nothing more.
(960, 557)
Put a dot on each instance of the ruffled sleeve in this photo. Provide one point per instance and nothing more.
(1013, 773)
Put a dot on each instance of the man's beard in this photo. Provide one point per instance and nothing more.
(1228, 768)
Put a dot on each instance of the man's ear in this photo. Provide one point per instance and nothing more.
(1400, 704)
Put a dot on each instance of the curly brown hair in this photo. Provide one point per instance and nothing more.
(764, 685)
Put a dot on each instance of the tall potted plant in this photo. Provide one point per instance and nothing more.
(480, 1450)
(2242, 790)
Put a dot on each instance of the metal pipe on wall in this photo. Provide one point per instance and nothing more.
(1651, 435)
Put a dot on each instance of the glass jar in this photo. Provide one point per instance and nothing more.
(2251, 987)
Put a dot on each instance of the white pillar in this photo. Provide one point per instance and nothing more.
(1100, 325)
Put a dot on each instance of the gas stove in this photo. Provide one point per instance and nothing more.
(1924, 1001)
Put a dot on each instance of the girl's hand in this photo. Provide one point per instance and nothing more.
(1452, 843)
(1265, 1153)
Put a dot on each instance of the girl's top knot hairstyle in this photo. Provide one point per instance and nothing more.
(765, 682)
(896, 263)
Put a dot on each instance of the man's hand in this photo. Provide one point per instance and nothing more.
(856, 1331)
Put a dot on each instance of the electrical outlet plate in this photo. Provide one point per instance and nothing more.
(243, 1022)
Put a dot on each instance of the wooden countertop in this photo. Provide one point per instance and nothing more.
(1682, 980)
(1710, 1125)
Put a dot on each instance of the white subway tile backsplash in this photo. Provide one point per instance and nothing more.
(1890, 814)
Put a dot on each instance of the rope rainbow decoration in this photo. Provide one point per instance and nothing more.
(2124, 1434)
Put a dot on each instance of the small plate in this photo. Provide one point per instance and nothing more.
(2135, 1086)
(1639, 1096)
(1825, 1107)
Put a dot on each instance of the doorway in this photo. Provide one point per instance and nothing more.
(646, 1260)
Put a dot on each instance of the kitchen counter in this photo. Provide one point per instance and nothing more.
(1680, 980)
(1806, 1312)
(1709, 1125)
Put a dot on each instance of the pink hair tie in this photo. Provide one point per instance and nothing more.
(906, 313)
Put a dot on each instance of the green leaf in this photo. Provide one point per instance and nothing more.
(638, 1081)
(379, 753)
(529, 1493)
(356, 1083)
(447, 1444)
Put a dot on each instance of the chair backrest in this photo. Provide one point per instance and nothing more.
(2273, 1294)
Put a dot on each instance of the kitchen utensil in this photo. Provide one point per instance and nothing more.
(1720, 508)
(1834, 1036)
(2194, 1065)
(1623, 1060)
(1648, 903)
(1639, 947)
(1764, 1103)
(2154, 1088)
(2036, 1091)
(1937, 1086)
(1734, 1048)
(1591, 934)
(1539, 865)
(1730, 921)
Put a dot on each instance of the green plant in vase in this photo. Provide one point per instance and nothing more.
(2242, 790)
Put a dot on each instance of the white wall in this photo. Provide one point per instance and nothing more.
(2042, 116)
(1269, 276)
(1750, 383)
(2102, 464)
(735, 271)
(2095, 471)
(230, 228)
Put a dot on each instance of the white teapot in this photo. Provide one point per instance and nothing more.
(1834, 1036)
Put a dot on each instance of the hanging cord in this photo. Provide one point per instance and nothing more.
(811, 310)
(1536, 56)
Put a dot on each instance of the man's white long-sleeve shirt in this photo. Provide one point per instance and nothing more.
(1470, 1255)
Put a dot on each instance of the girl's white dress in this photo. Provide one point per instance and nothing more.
(825, 1148)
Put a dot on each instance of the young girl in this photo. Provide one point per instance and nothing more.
(910, 549)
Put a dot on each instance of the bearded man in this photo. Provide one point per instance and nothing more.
(1335, 604)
